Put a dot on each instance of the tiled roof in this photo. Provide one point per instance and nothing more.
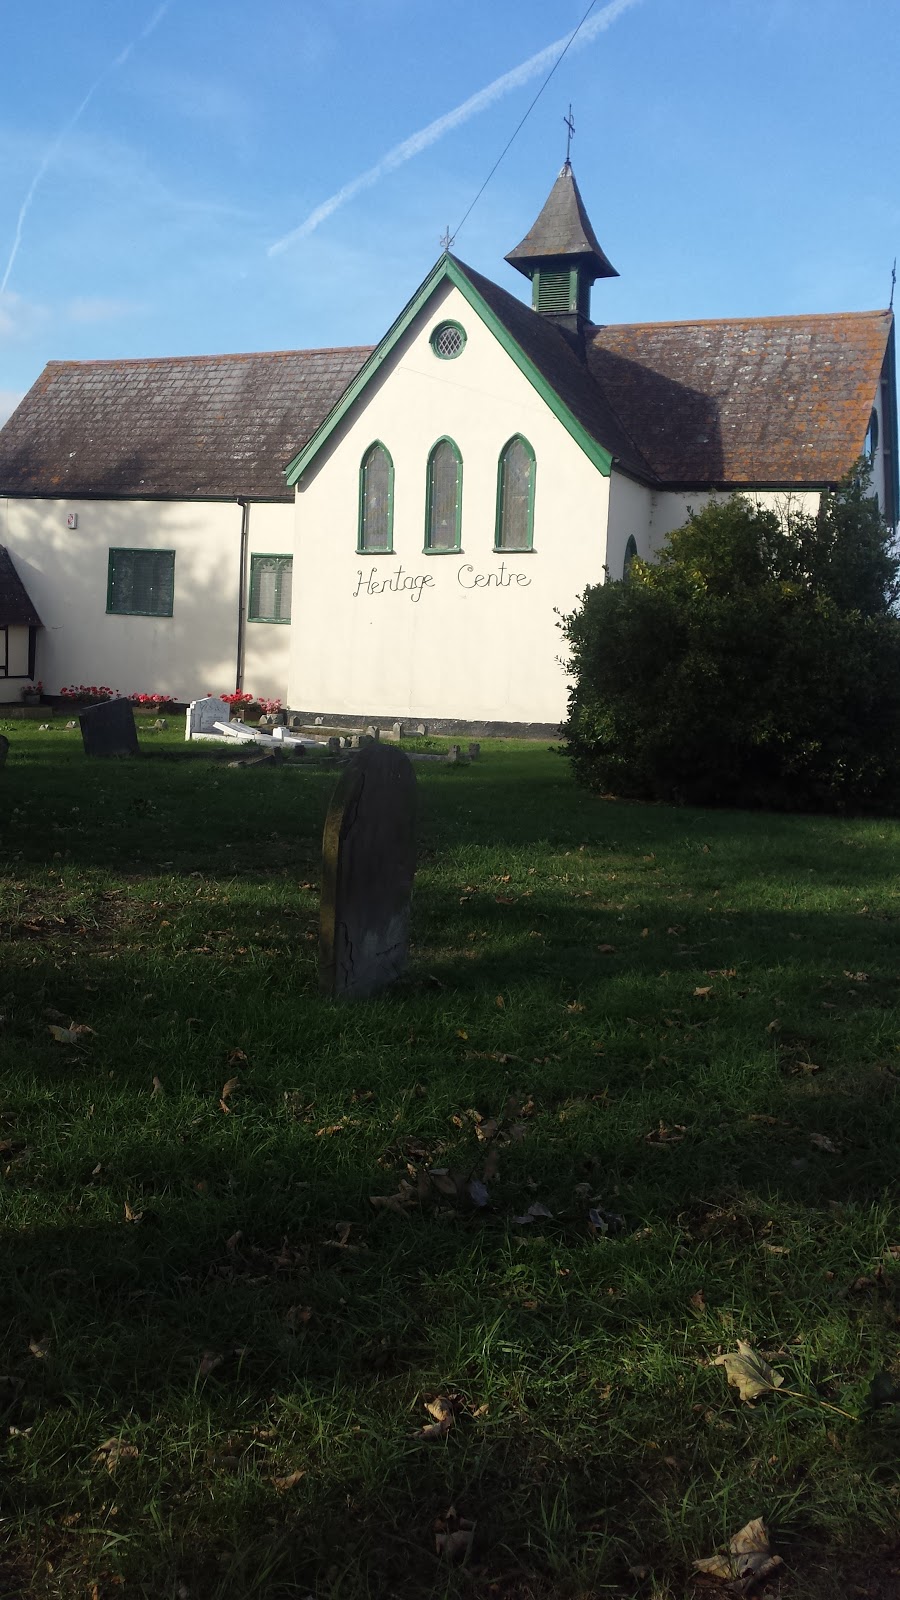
(193, 427)
(16, 609)
(760, 400)
(556, 360)
(562, 229)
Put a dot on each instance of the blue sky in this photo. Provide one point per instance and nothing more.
(737, 157)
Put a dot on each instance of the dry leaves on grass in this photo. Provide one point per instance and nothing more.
(453, 1535)
(289, 1482)
(113, 1452)
(535, 1211)
(748, 1372)
(40, 1348)
(228, 1090)
(441, 1410)
(821, 1141)
(748, 1561)
(666, 1136)
(76, 1033)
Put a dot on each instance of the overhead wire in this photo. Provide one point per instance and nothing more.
(451, 238)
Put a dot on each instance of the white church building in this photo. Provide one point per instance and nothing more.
(391, 532)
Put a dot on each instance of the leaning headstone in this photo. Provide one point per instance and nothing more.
(202, 715)
(108, 729)
(4, 749)
(373, 731)
(368, 866)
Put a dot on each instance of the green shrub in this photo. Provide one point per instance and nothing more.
(757, 663)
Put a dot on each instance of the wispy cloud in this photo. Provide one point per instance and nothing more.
(9, 399)
(19, 317)
(67, 128)
(417, 142)
(101, 308)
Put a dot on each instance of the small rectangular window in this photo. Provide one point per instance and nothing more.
(141, 583)
(270, 588)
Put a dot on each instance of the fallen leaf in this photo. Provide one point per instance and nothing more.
(157, 1087)
(749, 1559)
(500, 1003)
(229, 1087)
(703, 994)
(132, 1216)
(444, 1417)
(664, 1135)
(209, 1360)
(487, 1129)
(453, 1536)
(73, 1035)
(282, 1484)
(606, 949)
(40, 1348)
(820, 1141)
(747, 1372)
(535, 1210)
(114, 1451)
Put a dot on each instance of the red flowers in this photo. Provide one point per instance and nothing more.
(152, 699)
(85, 691)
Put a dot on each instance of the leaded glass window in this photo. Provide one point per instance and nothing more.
(444, 507)
(631, 551)
(515, 496)
(376, 500)
(271, 581)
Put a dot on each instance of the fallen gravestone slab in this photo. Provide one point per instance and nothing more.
(108, 729)
(368, 866)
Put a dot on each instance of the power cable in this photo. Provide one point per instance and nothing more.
(566, 47)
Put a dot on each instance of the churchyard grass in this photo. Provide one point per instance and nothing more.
(216, 1352)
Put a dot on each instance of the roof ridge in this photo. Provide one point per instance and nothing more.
(227, 355)
(717, 322)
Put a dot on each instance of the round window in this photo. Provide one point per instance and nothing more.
(448, 341)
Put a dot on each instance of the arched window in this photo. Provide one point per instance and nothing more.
(514, 527)
(631, 551)
(443, 509)
(376, 500)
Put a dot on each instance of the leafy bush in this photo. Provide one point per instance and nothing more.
(756, 663)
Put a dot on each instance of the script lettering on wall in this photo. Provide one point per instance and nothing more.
(414, 584)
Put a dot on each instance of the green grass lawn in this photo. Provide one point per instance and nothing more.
(216, 1352)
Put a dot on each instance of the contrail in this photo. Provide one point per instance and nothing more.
(67, 128)
(420, 141)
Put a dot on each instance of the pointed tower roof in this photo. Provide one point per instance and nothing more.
(562, 234)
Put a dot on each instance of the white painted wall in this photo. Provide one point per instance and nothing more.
(630, 516)
(65, 573)
(267, 644)
(480, 642)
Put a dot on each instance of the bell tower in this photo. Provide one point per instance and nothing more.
(561, 256)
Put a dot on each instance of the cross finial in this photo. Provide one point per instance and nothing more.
(570, 125)
(446, 238)
(893, 284)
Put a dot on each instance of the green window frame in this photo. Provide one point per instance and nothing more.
(375, 529)
(631, 551)
(514, 523)
(140, 583)
(444, 479)
(271, 583)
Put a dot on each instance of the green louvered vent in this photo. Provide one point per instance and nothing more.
(554, 292)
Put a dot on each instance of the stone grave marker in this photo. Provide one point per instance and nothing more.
(368, 866)
(4, 749)
(108, 729)
(202, 715)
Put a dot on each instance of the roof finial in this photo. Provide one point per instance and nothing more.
(570, 124)
(446, 239)
(893, 284)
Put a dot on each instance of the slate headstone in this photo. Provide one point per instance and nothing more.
(4, 749)
(368, 866)
(108, 729)
(474, 752)
(202, 715)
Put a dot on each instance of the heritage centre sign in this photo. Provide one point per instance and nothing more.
(414, 584)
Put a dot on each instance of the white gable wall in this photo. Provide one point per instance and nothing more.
(477, 639)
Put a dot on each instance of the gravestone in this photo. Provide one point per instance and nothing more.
(4, 749)
(202, 715)
(368, 866)
(108, 729)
